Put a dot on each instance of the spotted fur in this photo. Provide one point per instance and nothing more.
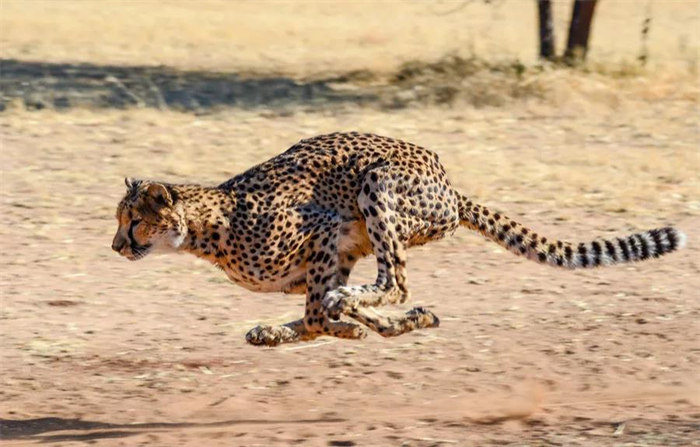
(299, 222)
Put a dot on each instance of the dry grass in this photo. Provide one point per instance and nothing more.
(391, 55)
(306, 38)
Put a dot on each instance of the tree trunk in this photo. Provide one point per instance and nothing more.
(579, 30)
(544, 8)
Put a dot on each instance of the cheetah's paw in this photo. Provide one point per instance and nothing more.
(264, 336)
(423, 318)
(338, 301)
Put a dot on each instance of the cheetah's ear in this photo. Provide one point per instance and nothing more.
(159, 194)
(131, 183)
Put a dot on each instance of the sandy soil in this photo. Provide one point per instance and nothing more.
(96, 349)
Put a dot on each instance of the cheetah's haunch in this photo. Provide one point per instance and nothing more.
(299, 222)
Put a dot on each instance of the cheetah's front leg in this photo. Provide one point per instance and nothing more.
(321, 261)
(276, 335)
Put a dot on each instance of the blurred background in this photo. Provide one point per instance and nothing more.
(580, 121)
(195, 56)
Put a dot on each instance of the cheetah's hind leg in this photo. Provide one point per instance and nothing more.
(398, 206)
(392, 326)
(383, 225)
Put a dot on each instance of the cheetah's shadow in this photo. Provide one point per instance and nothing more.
(35, 429)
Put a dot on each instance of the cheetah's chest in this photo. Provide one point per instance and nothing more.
(353, 238)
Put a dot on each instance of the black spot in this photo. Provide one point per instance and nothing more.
(542, 257)
(625, 249)
(644, 246)
(597, 251)
(672, 240)
(659, 248)
(610, 250)
(633, 246)
(582, 251)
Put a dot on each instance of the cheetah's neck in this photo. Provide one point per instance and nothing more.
(206, 214)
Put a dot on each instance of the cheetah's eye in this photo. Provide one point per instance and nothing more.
(132, 227)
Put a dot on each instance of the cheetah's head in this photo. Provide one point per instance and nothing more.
(149, 220)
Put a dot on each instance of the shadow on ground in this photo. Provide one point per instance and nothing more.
(38, 85)
(35, 428)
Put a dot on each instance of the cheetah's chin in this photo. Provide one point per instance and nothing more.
(138, 252)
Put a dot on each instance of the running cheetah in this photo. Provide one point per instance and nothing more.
(299, 222)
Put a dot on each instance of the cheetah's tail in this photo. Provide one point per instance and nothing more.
(523, 241)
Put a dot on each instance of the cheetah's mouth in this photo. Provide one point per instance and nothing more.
(138, 251)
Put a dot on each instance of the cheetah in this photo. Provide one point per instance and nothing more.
(300, 221)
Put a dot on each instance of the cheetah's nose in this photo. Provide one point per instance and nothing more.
(118, 243)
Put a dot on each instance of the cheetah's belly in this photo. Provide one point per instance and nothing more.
(274, 284)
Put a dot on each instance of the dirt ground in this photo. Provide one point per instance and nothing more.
(95, 349)
(98, 349)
